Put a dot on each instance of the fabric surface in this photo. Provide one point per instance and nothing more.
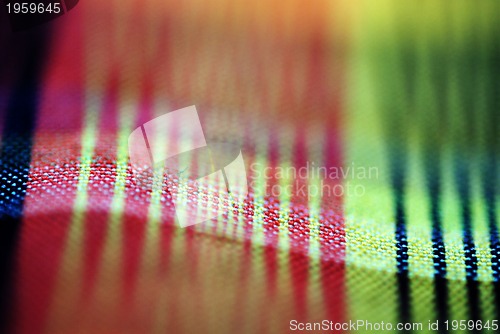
(389, 109)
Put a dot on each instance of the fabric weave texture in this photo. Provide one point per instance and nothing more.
(401, 99)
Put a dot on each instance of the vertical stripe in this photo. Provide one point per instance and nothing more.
(256, 273)
(491, 141)
(45, 227)
(431, 79)
(316, 297)
(398, 183)
(371, 270)
(15, 154)
(66, 296)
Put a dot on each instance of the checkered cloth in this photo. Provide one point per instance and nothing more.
(406, 91)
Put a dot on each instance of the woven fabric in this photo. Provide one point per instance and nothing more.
(400, 100)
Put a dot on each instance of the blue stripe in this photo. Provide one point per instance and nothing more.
(15, 152)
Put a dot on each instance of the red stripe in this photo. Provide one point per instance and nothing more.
(135, 219)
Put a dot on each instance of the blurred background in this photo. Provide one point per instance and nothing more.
(409, 88)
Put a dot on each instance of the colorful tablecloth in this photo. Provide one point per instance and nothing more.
(370, 135)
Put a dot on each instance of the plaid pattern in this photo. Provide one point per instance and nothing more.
(409, 89)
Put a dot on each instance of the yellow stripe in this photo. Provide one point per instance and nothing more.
(369, 222)
(420, 247)
(316, 302)
(107, 296)
(252, 308)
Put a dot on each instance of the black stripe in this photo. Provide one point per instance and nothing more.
(463, 184)
(489, 190)
(491, 172)
(396, 126)
(15, 153)
(438, 247)
(432, 130)
(467, 144)
(402, 264)
(398, 177)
